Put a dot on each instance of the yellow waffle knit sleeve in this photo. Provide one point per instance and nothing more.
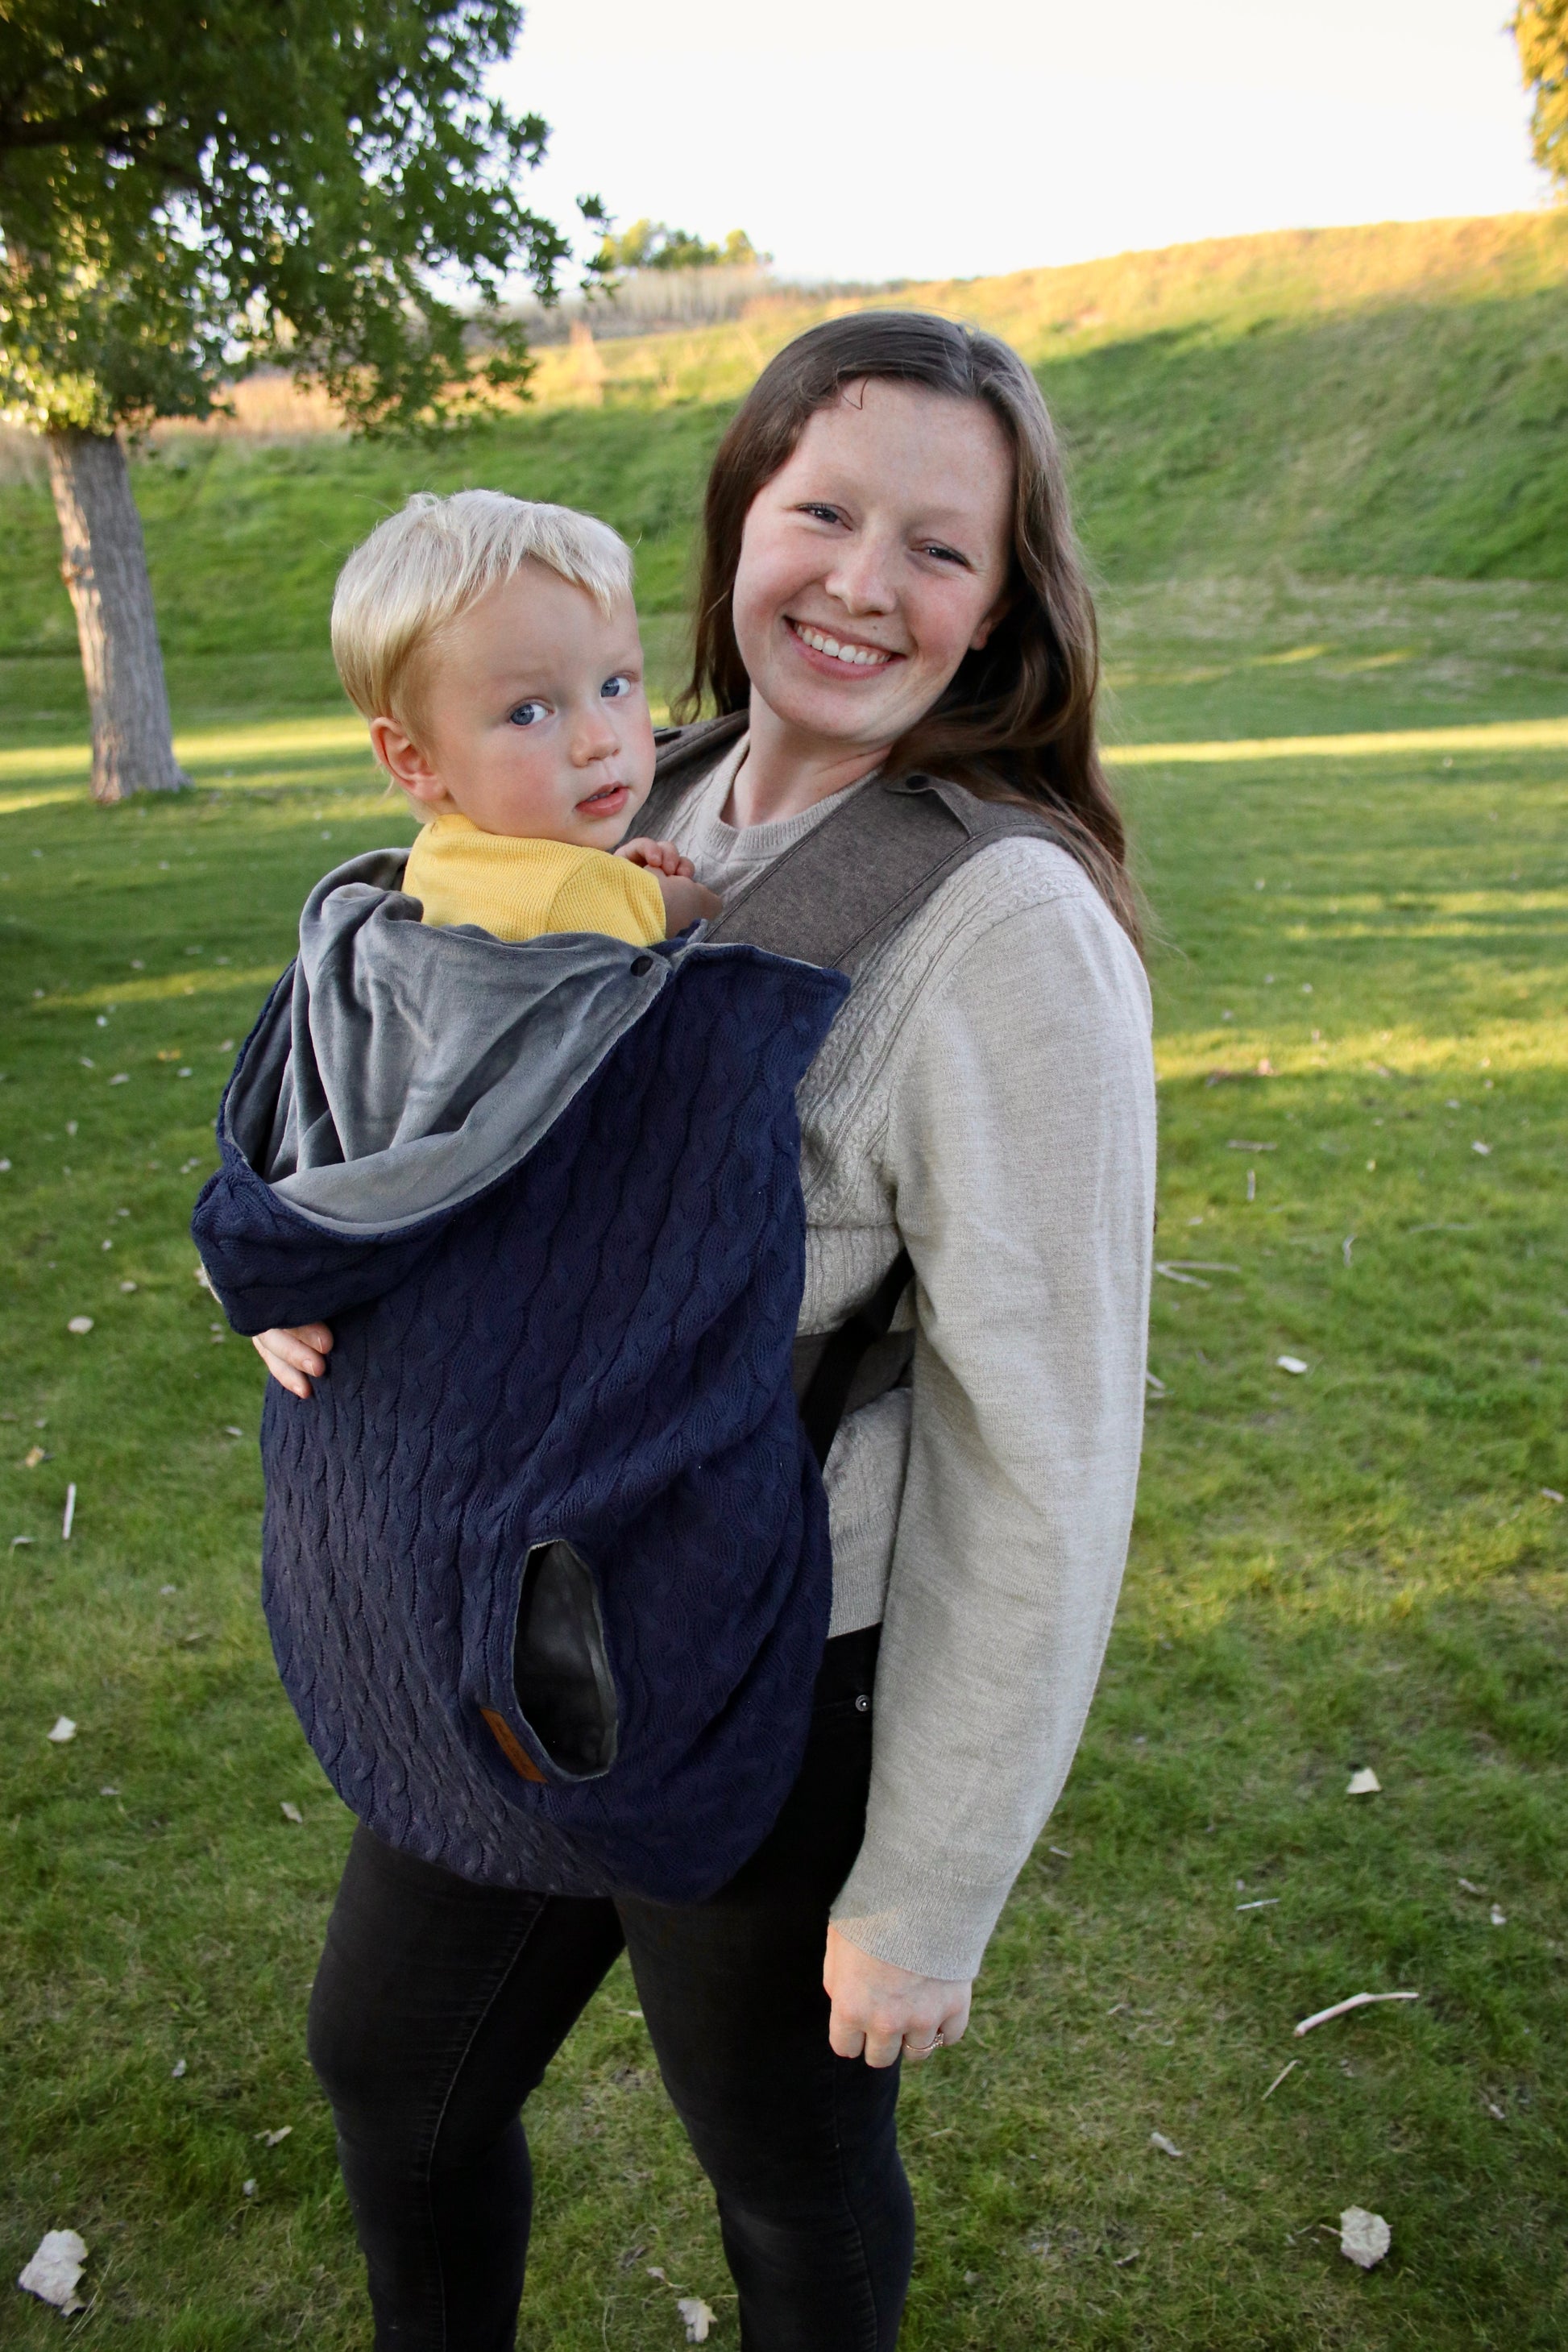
(518, 889)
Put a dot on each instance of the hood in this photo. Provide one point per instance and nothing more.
(397, 1072)
(399, 1069)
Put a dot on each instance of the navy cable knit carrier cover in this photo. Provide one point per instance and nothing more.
(559, 1413)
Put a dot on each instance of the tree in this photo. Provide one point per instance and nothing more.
(190, 188)
(654, 245)
(1540, 29)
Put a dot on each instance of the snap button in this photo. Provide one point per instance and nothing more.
(863, 1705)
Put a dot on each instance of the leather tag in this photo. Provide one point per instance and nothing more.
(506, 1739)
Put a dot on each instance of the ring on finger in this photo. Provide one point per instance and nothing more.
(923, 2050)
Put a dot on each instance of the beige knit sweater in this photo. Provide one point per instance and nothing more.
(986, 1097)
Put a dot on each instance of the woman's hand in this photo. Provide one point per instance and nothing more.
(879, 2009)
(295, 1357)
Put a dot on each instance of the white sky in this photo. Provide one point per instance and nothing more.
(922, 138)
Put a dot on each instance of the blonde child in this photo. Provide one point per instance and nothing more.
(492, 643)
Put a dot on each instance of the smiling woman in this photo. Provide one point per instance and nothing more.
(900, 781)
(894, 473)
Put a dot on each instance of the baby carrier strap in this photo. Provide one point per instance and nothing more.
(837, 894)
(856, 878)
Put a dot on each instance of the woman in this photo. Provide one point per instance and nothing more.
(890, 590)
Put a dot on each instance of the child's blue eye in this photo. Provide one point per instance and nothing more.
(614, 688)
(525, 714)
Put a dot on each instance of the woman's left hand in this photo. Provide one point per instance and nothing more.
(881, 2010)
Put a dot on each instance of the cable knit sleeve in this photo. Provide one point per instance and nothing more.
(1019, 1152)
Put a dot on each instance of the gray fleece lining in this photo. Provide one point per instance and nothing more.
(409, 1065)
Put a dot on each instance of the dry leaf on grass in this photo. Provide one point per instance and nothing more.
(697, 2316)
(1343, 2008)
(64, 1729)
(177, 2069)
(1166, 2147)
(292, 1813)
(273, 2137)
(1364, 1783)
(33, 1456)
(1499, 1917)
(81, 1325)
(1364, 2238)
(1289, 1363)
(53, 2272)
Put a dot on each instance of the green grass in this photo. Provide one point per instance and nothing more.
(1356, 1566)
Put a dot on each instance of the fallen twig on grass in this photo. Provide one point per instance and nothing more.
(1343, 2008)
(1278, 2078)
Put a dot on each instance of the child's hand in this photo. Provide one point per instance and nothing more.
(685, 902)
(660, 857)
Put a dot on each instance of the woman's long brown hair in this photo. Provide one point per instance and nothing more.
(1017, 722)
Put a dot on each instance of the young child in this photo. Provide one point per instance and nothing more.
(546, 1558)
(492, 644)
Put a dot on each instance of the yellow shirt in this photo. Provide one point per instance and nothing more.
(517, 888)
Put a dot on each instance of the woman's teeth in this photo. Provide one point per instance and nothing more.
(857, 656)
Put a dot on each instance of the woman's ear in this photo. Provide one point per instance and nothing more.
(998, 612)
(405, 762)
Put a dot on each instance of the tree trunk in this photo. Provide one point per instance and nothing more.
(105, 568)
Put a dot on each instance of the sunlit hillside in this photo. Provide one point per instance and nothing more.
(1388, 401)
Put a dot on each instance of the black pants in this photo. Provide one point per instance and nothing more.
(439, 2004)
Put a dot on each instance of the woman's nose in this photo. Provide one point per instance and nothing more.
(862, 578)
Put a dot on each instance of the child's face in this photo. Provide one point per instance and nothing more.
(533, 720)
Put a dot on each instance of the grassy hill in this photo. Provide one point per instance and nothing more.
(1390, 401)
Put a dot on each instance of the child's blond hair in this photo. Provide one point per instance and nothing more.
(421, 567)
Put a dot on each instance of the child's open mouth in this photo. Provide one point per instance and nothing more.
(608, 800)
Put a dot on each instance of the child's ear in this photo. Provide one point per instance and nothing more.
(405, 762)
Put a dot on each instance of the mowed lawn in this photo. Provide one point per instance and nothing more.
(1360, 969)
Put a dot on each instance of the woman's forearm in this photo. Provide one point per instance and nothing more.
(1021, 1143)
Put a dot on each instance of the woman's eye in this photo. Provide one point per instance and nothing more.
(945, 554)
(525, 714)
(819, 513)
(615, 690)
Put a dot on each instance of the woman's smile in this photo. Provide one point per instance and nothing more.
(839, 653)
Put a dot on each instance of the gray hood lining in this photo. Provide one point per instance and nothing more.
(403, 1068)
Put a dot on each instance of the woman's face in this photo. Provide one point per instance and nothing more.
(874, 560)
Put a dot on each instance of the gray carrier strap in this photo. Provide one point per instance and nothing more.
(844, 887)
(856, 877)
